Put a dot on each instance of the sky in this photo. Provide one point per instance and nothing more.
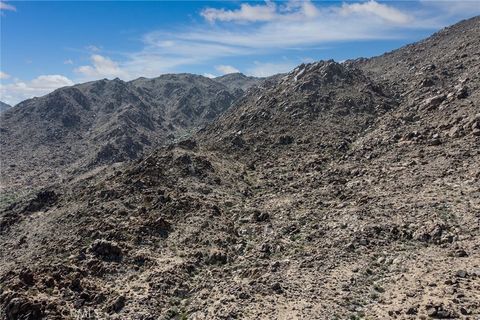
(47, 45)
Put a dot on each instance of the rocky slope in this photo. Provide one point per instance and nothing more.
(340, 191)
(102, 122)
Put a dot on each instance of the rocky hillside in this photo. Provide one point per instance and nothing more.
(102, 122)
(341, 191)
(4, 106)
(323, 104)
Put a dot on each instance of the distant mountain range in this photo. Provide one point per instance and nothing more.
(101, 122)
(238, 81)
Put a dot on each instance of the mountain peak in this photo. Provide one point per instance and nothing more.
(232, 75)
(238, 80)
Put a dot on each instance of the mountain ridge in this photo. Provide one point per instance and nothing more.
(105, 121)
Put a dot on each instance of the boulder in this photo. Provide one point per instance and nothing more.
(105, 249)
(22, 308)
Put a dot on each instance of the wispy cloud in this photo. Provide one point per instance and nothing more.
(93, 48)
(246, 12)
(4, 75)
(375, 9)
(6, 6)
(265, 69)
(306, 25)
(19, 90)
(301, 10)
(226, 69)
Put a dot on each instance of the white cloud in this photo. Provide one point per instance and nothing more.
(17, 91)
(303, 24)
(68, 61)
(375, 9)
(300, 10)
(226, 69)
(6, 6)
(4, 75)
(51, 82)
(458, 9)
(102, 67)
(209, 75)
(268, 68)
(291, 10)
(92, 48)
(246, 12)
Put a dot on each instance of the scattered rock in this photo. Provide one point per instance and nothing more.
(285, 139)
(42, 200)
(238, 142)
(434, 101)
(439, 311)
(160, 227)
(118, 304)
(277, 288)
(259, 216)
(217, 256)
(462, 92)
(461, 274)
(188, 144)
(22, 308)
(27, 277)
(461, 253)
(464, 311)
(412, 310)
(105, 249)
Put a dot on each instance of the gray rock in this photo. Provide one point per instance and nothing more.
(106, 249)
(461, 274)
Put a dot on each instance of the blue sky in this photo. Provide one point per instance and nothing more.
(46, 45)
